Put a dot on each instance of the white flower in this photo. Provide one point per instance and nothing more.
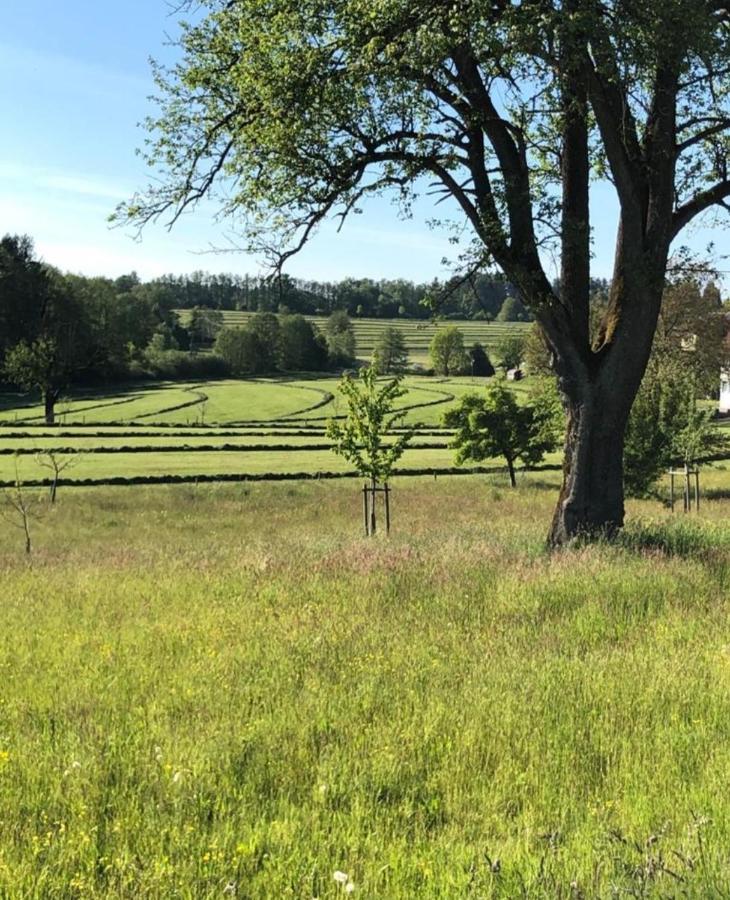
(341, 877)
(349, 887)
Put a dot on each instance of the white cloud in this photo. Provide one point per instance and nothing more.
(24, 176)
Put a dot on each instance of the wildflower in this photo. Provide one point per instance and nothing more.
(341, 877)
(349, 887)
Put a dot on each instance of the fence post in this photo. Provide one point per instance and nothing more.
(387, 508)
(365, 508)
(373, 495)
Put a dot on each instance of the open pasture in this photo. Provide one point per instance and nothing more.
(418, 333)
(231, 402)
(213, 691)
(251, 428)
(255, 428)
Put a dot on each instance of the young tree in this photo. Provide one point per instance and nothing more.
(19, 507)
(448, 354)
(340, 338)
(507, 106)
(391, 352)
(494, 424)
(481, 365)
(56, 464)
(361, 438)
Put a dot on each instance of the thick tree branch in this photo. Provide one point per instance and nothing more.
(714, 196)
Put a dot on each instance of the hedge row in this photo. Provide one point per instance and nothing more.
(326, 396)
(200, 397)
(186, 448)
(20, 435)
(265, 427)
(283, 432)
(262, 476)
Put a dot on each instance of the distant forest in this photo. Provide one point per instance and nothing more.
(482, 297)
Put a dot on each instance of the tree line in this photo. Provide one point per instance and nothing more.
(485, 296)
(59, 330)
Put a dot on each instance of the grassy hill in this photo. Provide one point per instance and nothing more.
(418, 334)
(228, 692)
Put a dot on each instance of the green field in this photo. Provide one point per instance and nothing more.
(230, 428)
(216, 691)
(417, 333)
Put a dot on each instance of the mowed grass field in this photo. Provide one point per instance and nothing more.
(417, 333)
(232, 428)
(226, 691)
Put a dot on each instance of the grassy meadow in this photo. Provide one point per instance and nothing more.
(213, 691)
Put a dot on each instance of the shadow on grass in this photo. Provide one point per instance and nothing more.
(715, 494)
(686, 539)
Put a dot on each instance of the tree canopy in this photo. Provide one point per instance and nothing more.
(447, 351)
(365, 437)
(495, 424)
(391, 352)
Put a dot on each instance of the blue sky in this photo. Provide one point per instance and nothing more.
(74, 83)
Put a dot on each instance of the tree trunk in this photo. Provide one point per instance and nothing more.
(49, 402)
(591, 501)
(511, 470)
(598, 388)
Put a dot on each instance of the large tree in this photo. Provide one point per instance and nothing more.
(298, 111)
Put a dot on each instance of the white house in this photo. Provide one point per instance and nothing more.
(724, 406)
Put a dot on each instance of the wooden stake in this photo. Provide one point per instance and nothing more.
(373, 525)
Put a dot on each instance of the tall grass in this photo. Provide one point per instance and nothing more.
(210, 692)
